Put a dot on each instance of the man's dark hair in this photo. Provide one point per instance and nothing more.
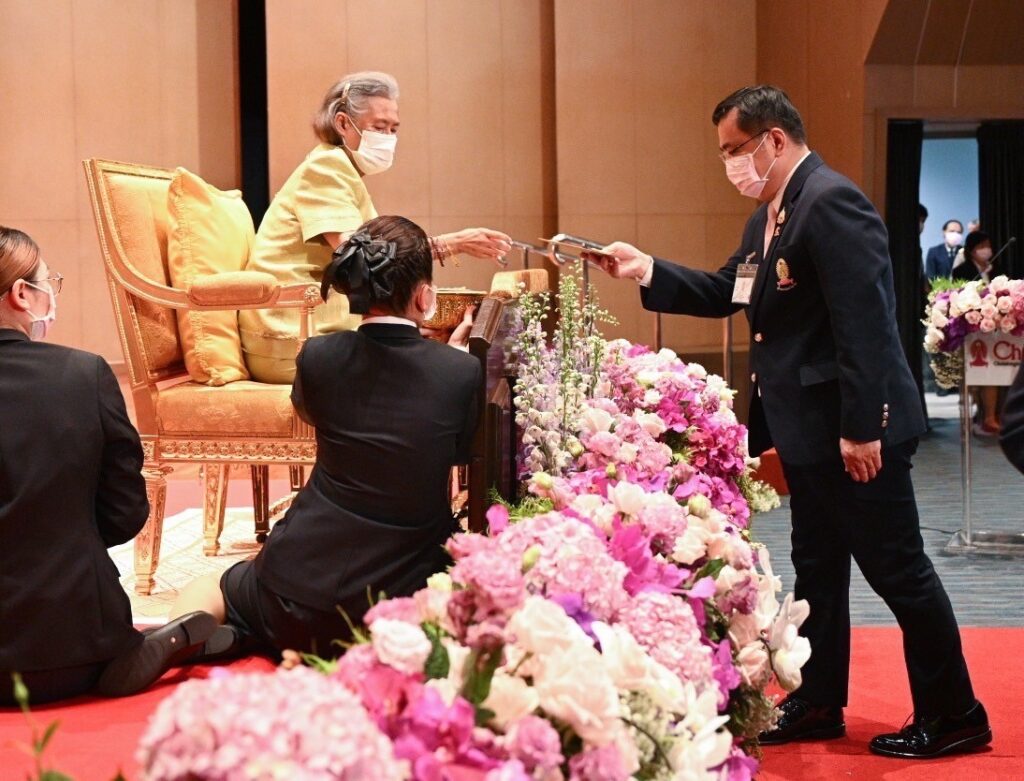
(947, 223)
(922, 212)
(762, 108)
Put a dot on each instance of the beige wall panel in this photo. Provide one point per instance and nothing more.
(595, 84)
(990, 87)
(178, 77)
(836, 85)
(98, 331)
(729, 50)
(934, 85)
(306, 54)
(37, 111)
(782, 51)
(219, 145)
(392, 37)
(466, 123)
(527, 140)
(670, 124)
(888, 85)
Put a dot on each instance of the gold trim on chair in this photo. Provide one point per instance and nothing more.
(129, 208)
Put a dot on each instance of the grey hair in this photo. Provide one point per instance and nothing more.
(350, 96)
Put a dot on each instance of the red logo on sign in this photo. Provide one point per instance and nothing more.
(979, 353)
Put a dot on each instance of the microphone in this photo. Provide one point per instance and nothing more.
(1011, 240)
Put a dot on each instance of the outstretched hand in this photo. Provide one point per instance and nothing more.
(480, 243)
(621, 260)
(863, 460)
(460, 336)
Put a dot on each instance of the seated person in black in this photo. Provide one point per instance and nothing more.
(70, 487)
(393, 413)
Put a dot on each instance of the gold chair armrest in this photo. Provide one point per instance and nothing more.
(232, 290)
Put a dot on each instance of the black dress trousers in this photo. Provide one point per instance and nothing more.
(877, 524)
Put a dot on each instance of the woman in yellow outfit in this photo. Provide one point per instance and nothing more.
(321, 204)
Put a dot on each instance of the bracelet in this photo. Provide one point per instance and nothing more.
(439, 249)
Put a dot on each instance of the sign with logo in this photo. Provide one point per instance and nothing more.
(992, 359)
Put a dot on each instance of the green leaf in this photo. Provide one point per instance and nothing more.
(47, 734)
(710, 570)
(481, 665)
(54, 775)
(483, 716)
(438, 664)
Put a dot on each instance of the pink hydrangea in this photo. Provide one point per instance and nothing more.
(599, 764)
(666, 628)
(534, 742)
(287, 724)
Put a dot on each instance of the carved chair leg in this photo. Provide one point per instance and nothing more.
(215, 499)
(147, 542)
(261, 500)
(298, 477)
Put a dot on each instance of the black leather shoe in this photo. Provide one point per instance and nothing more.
(800, 720)
(160, 649)
(932, 737)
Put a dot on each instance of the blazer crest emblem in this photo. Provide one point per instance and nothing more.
(786, 282)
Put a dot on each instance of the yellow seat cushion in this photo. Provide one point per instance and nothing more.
(210, 232)
(245, 408)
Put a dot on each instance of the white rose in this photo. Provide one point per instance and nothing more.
(728, 578)
(400, 645)
(939, 320)
(626, 453)
(650, 422)
(628, 498)
(632, 669)
(510, 698)
(744, 629)
(542, 627)
(574, 687)
(691, 545)
(652, 398)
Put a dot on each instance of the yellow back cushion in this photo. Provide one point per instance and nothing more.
(210, 231)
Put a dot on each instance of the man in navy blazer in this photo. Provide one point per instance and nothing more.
(833, 393)
(939, 261)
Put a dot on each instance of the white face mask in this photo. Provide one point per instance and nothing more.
(376, 150)
(954, 238)
(40, 326)
(743, 173)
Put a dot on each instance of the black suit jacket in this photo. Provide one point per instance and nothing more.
(825, 352)
(393, 413)
(1011, 435)
(968, 272)
(70, 487)
(939, 262)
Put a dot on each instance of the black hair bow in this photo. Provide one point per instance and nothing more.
(357, 269)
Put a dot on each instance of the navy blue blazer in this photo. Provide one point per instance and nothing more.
(939, 262)
(825, 352)
(70, 487)
(393, 413)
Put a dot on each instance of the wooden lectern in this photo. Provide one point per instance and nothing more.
(492, 463)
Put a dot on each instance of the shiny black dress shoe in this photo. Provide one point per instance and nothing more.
(933, 737)
(160, 649)
(801, 720)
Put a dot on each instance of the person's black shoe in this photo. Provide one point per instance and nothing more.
(800, 720)
(926, 738)
(160, 649)
(224, 643)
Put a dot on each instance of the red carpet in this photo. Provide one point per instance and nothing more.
(97, 737)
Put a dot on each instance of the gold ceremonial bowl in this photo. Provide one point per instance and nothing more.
(451, 304)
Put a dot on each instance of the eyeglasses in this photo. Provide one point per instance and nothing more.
(56, 282)
(723, 156)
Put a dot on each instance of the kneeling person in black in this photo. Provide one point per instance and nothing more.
(393, 413)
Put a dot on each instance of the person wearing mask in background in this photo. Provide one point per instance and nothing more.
(977, 264)
(322, 203)
(939, 262)
(71, 486)
(832, 391)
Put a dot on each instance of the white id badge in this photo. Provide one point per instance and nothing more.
(744, 286)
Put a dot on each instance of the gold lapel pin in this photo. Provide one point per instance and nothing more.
(782, 216)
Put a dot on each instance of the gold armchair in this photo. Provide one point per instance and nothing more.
(181, 421)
